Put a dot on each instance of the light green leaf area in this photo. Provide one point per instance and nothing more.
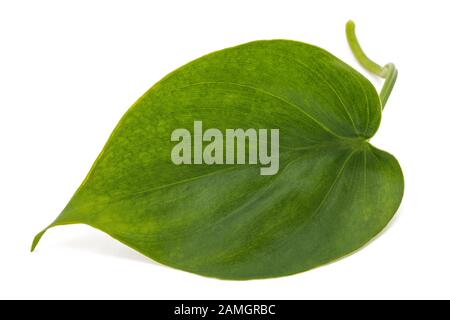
(333, 192)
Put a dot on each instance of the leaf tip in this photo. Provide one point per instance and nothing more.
(36, 239)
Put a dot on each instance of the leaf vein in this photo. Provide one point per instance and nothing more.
(295, 106)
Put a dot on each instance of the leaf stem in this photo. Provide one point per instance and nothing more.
(388, 72)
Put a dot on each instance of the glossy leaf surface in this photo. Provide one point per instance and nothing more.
(332, 194)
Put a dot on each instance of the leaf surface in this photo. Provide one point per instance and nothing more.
(332, 194)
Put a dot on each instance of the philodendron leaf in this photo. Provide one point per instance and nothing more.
(331, 193)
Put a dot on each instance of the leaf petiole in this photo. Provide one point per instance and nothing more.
(388, 72)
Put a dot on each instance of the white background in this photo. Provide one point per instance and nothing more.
(70, 69)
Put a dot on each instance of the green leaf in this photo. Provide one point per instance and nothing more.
(333, 192)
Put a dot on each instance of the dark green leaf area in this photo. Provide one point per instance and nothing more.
(333, 192)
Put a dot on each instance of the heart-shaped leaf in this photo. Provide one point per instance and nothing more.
(331, 193)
